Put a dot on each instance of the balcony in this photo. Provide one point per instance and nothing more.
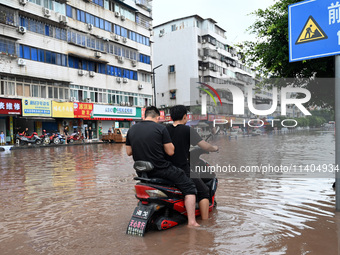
(145, 4)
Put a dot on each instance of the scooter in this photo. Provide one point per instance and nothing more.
(45, 137)
(75, 137)
(161, 204)
(34, 138)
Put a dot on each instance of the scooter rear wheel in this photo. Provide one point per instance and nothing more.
(46, 140)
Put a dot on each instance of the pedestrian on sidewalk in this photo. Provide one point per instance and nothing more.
(2, 138)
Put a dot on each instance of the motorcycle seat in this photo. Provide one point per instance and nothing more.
(154, 181)
(142, 166)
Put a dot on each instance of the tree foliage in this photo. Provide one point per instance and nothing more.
(270, 54)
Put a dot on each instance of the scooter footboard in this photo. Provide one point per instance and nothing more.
(166, 222)
(140, 219)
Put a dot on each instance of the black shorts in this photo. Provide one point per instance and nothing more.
(202, 189)
(176, 176)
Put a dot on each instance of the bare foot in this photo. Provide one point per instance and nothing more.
(195, 224)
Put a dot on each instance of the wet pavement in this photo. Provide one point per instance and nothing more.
(79, 199)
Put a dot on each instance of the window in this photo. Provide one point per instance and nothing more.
(171, 69)
(69, 11)
(172, 94)
(35, 90)
(43, 91)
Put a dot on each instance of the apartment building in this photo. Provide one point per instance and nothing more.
(192, 49)
(78, 63)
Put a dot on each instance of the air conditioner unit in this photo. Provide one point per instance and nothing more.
(122, 17)
(124, 39)
(21, 62)
(140, 86)
(91, 73)
(88, 100)
(125, 80)
(118, 79)
(117, 37)
(46, 12)
(22, 29)
(23, 2)
(106, 39)
(120, 59)
(204, 41)
(204, 68)
(215, 68)
(63, 19)
(88, 1)
(72, 99)
(81, 72)
(200, 67)
(134, 63)
(117, 14)
(204, 57)
(122, 103)
(89, 26)
(97, 54)
(160, 34)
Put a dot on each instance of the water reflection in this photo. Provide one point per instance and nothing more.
(78, 200)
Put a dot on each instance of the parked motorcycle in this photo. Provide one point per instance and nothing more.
(58, 138)
(75, 137)
(32, 139)
(161, 204)
(45, 137)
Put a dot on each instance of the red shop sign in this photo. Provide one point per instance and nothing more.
(10, 106)
(82, 110)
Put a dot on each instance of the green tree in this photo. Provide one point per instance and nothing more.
(270, 54)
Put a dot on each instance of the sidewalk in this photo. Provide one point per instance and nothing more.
(33, 146)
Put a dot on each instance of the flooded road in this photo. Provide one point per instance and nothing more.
(79, 200)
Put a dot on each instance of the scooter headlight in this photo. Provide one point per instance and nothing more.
(155, 193)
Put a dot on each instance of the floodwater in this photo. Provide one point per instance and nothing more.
(79, 200)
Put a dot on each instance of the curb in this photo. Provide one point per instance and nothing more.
(33, 146)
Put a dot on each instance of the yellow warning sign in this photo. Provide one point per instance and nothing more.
(311, 32)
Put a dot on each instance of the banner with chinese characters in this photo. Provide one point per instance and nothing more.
(108, 111)
(10, 106)
(36, 107)
(62, 110)
(82, 110)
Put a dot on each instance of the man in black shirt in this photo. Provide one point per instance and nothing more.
(182, 137)
(150, 141)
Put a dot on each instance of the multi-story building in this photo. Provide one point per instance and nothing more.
(192, 48)
(77, 51)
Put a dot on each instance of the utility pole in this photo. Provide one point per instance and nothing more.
(154, 84)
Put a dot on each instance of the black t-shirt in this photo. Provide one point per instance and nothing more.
(182, 137)
(147, 139)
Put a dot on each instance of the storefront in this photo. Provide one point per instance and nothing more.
(9, 109)
(36, 116)
(83, 113)
(115, 116)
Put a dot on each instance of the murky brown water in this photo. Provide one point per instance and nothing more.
(79, 199)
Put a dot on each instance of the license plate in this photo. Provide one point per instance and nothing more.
(139, 220)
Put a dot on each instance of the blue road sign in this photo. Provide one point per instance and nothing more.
(314, 29)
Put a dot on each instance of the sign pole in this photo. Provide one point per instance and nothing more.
(337, 131)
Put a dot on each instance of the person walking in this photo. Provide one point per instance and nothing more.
(66, 133)
(2, 138)
(90, 134)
